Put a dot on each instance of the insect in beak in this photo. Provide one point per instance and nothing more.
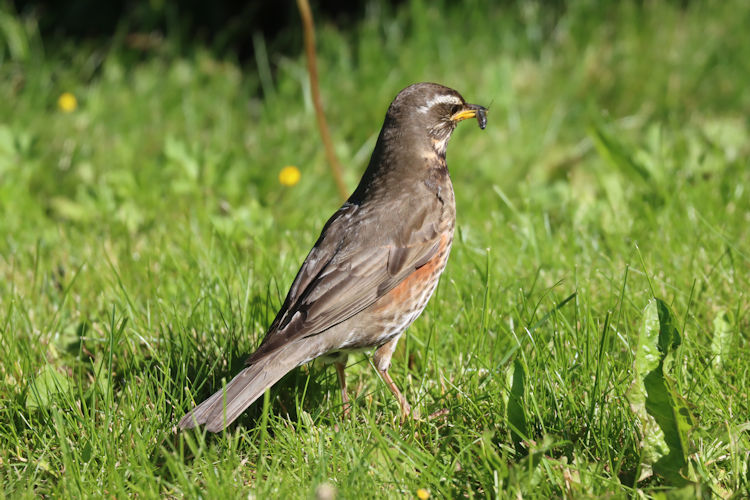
(471, 111)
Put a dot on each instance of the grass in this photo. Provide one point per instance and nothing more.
(146, 243)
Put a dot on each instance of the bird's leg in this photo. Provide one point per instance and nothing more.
(382, 361)
(405, 408)
(342, 382)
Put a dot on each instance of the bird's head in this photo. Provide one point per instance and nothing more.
(432, 111)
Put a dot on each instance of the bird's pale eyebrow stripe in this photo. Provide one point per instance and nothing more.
(439, 99)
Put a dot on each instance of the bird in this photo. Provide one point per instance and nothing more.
(375, 264)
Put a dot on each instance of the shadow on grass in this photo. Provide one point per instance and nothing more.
(303, 388)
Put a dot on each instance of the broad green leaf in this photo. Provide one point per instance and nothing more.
(86, 452)
(647, 354)
(722, 339)
(669, 337)
(516, 414)
(672, 417)
(45, 387)
(646, 360)
(665, 420)
(687, 492)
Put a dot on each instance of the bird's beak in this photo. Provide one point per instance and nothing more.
(471, 111)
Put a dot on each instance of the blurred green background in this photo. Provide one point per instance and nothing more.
(146, 242)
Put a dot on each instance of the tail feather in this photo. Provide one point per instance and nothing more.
(223, 408)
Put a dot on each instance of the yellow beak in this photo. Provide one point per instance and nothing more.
(463, 114)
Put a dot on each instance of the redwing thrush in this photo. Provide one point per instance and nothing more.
(376, 263)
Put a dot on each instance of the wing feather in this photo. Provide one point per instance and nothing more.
(353, 263)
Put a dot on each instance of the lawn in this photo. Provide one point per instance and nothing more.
(590, 336)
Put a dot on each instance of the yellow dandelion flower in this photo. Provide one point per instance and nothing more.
(423, 494)
(289, 175)
(67, 102)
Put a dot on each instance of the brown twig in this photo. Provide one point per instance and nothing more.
(312, 69)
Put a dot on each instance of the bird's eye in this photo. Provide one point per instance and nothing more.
(455, 108)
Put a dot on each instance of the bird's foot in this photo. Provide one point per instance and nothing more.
(406, 411)
(437, 414)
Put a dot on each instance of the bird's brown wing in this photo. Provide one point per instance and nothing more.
(355, 261)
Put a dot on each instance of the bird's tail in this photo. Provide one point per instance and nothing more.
(227, 404)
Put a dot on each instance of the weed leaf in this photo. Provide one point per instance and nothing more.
(48, 384)
(665, 420)
(516, 415)
(722, 339)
